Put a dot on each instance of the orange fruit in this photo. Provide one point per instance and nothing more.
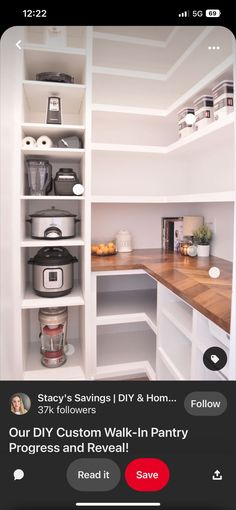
(94, 248)
(105, 250)
(99, 251)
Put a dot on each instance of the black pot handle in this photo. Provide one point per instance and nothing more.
(77, 220)
(31, 261)
(75, 260)
(29, 220)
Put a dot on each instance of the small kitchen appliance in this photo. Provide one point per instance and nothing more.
(64, 182)
(39, 176)
(52, 224)
(53, 335)
(53, 271)
(54, 110)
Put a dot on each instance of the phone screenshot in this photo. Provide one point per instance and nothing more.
(118, 253)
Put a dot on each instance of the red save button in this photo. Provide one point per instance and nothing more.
(147, 474)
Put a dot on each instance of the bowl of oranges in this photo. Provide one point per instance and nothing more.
(104, 250)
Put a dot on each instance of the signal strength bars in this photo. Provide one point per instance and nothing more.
(184, 14)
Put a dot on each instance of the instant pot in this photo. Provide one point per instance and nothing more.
(53, 272)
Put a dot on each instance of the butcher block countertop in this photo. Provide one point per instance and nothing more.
(186, 276)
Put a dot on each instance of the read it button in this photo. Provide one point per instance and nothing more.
(147, 474)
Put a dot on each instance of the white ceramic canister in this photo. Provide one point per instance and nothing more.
(204, 111)
(223, 94)
(184, 128)
(123, 241)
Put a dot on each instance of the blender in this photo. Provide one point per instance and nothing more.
(39, 176)
(53, 330)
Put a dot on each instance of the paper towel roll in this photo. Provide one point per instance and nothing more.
(28, 142)
(44, 142)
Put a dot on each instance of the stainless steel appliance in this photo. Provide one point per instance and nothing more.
(53, 272)
(65, 180)
(53, 333)
(39, 176)
(54, 110)
(52, 224)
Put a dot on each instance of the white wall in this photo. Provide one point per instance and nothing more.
(142, 220)
(144, 223)
(222, 215)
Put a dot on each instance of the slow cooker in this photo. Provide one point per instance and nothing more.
(52, 224)
(53, 272)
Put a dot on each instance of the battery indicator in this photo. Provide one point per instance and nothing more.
(213, 13)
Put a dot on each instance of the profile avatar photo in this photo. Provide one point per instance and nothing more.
(20, 403)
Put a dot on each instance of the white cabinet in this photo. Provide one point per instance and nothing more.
(184, 334)
(27, 101)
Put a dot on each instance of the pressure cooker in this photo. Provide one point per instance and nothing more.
(52, 224)
(53, 272)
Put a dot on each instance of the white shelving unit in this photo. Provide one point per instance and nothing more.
(135, 170)
(124, 324)
(29, 99)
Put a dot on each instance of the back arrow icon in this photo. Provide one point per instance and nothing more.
(18, 44)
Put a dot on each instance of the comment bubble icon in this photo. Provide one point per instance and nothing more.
(18, 474)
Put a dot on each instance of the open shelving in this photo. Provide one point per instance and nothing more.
(37, 129)
(127, 306)
(31, 300)
(123, 346)
(200, 137)
(221, 196)
(71, 370)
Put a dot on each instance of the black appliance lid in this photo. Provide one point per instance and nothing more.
(53, 256)
(52, 213)
(54, 76)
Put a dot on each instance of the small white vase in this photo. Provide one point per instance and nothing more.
(203, 250)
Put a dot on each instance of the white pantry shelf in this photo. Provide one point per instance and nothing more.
(46, 50)
(107, 36)
(38, 58)
(125, 344)
(58, 130)
(71, 370)
(37, 93)
(221, 196)
(132, 110)
(127, 306)
(31, 300)
(198, 137)
(51, 197)
(56, 154)
(126, 370)
(28, 242)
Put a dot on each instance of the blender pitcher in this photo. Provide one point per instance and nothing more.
(39, 176)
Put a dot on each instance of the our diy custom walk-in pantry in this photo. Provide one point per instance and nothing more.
(129, 85)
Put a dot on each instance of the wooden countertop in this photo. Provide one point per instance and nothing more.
(186, 276)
